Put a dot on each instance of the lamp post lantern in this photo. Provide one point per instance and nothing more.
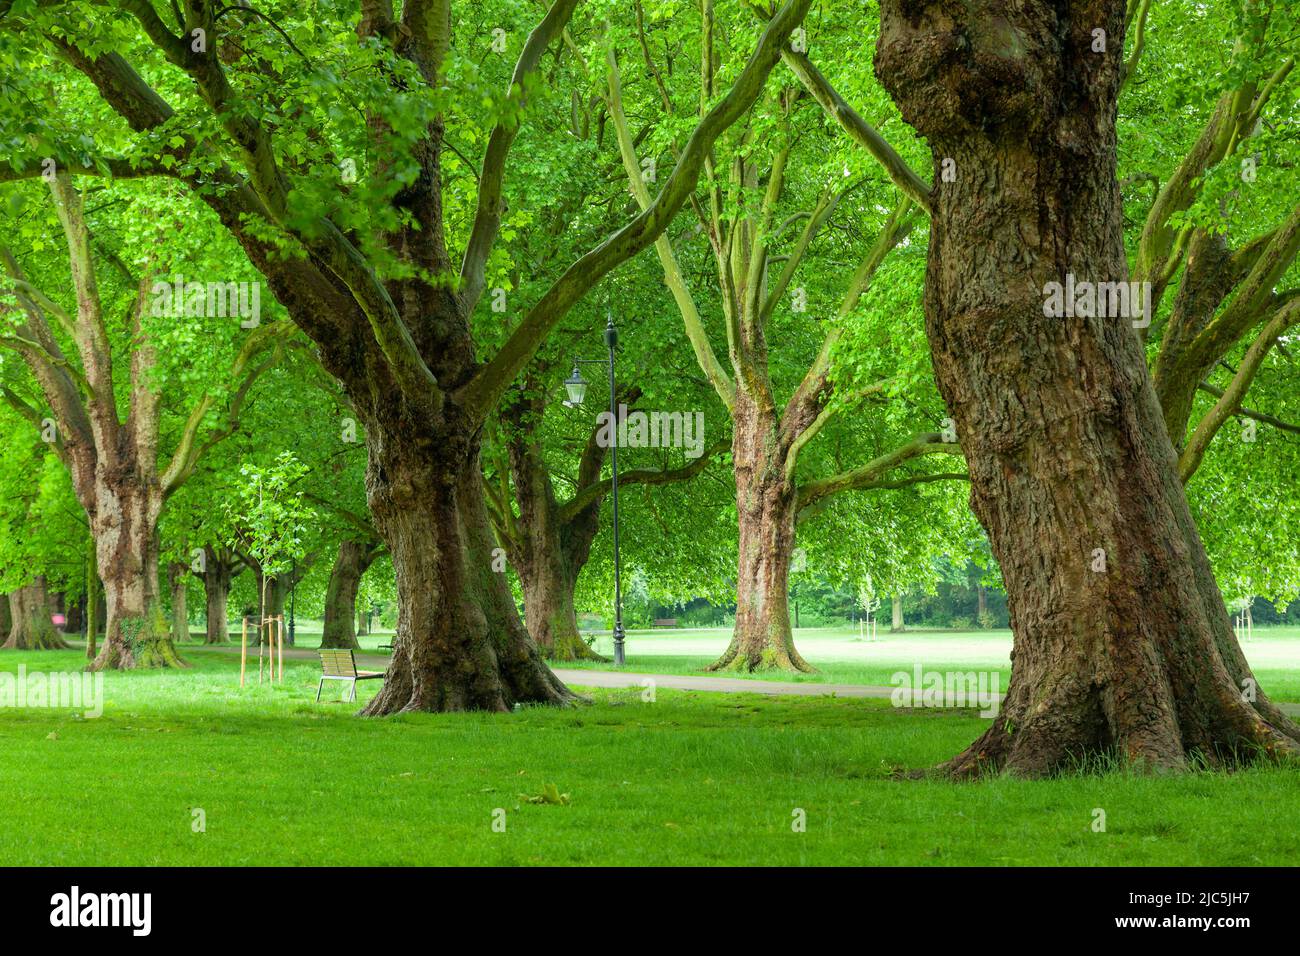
(576, 387)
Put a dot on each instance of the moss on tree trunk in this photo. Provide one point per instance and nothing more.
(766, 510)
(31, 628)
(1123, 647)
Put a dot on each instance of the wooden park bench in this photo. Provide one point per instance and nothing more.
(665, 622)
(341, 665)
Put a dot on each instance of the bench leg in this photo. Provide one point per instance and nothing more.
(354, 692)
(320, 687)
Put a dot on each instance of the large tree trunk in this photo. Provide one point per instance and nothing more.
(125, 528)
(176, 572)
(460, 644)
(896, 625)
(31, 628)
(548, 608)
(353, 559)
(1122, 642)
(766, 509)
(216, 596)
(547, 550)
(6, 618)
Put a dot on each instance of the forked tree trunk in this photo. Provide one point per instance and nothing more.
(216, 598)
(548, 550)
(136, 632)
(460, 644)
(176, 572)
(766, 509)
(350, 565)
(31, 628)
(1123, 645)
(896, 625)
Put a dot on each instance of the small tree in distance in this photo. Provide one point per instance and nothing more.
(269, 516)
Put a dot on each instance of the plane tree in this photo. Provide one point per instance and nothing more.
(101, 387)
(790, 236)
(1122, 641)
(373, 271)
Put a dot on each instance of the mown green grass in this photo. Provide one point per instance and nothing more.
(692, 778)
(840, 657)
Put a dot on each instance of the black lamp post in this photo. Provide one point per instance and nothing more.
(576, 386)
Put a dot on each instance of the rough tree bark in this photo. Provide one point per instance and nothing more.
(125, 528)
(353, 558)
(31, 628)
(1122, 642)
(767, 507)
(473, 652)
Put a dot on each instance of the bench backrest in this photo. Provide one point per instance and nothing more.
(665, 622)
(338, 662)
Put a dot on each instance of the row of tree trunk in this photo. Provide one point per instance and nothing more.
(26, 613)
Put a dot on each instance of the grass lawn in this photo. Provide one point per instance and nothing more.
(693, 778)
(841, 658)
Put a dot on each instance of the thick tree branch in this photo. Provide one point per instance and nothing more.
(326, 241)
(641, 476)
(1229, 402)
(1253, 297)
(673, 277)
(481, 393)
(1259, 416)
(859, 130)
(1138, 31)
(114, 167)
(491, 200)
(931, 443)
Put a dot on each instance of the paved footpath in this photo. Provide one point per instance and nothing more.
(368, 660)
